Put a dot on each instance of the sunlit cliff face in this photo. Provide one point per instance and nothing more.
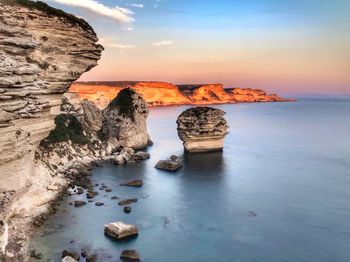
(209, 94)
(165, 94)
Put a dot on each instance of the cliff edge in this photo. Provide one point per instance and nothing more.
(42, 51)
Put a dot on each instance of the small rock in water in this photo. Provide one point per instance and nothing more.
(99, 204)
(130, 255)
(108, 189)
(127, 209)
(79, 203)
(96, 184)
(134, 183)
(92, 258)
(128, 201)
(71, 254)
(91, 194)
(80, 191)
(168, 165)
(120, 230)
(114, 197)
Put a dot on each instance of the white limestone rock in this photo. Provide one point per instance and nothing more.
(120, 230)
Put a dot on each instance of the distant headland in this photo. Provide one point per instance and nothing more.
(167, 94)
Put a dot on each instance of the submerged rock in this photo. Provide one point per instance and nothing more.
(133, 183)
(120, 230)
(128, 201)
(99, 204)
(130, 255)
(202, 129)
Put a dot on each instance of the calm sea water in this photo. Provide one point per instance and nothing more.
(280, 191)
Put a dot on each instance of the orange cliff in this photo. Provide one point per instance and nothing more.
(165, 94)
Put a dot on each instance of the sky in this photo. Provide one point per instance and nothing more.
(281, 46)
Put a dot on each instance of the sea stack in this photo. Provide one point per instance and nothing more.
(202, 129)
(125, 120)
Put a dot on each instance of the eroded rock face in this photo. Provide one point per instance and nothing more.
(202, 129)
(42, 51)
(125, 120)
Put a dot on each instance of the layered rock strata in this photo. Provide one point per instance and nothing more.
(202, 129)
(42, 51)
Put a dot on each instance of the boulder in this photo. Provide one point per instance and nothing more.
(120, 230)
(140, 156)
(71, 254)
(130, 255)
(68, 259)
(169, 165)
(202, 129)
(133, 183)
(119, 160)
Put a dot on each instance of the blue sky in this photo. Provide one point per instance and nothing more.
(298, 46)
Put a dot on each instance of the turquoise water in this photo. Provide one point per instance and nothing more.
(280, 191)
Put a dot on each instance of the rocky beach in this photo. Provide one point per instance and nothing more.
(154, 171)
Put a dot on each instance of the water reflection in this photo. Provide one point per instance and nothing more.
(206, 165)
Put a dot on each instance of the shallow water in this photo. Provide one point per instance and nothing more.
(280, 191)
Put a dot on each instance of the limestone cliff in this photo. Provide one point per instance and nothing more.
(42, 51)
(166, 94)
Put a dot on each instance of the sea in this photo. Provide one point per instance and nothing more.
(279, 191)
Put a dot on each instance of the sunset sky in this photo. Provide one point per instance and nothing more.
(288, 47)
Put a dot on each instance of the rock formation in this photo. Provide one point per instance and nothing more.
(202, 129)
(42, 51)
(165, 94)
(125, 120)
